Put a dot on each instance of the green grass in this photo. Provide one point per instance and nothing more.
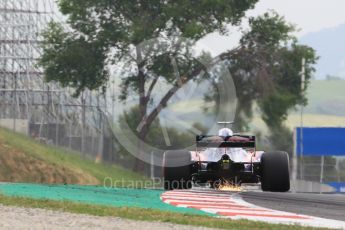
(95, 195)
(315, 120)
(309, 120)
(323, 90)
(94, 173)
(141, 214)
(326, 97)
(190, 106)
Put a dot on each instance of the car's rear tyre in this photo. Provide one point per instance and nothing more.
(177, 170)
(275, 175)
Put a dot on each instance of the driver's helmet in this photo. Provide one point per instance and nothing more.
(225, 132)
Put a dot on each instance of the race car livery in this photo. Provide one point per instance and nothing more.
(226, 159)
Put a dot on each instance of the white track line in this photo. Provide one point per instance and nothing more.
(187, 198)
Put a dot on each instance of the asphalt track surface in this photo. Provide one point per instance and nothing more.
(330, 206)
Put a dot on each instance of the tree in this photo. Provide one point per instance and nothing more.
(266, 70)
(154, 136)
(278, 85)
(177, 138)
(103, 31)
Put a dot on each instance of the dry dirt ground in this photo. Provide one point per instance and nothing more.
(29, 218)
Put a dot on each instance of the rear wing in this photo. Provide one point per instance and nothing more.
(236, 141)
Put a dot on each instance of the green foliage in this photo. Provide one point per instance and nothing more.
(155, 135)
(72, 60)
(267, 70)
(281, 139)
(103, 32)
(78, 58)
(132, 22)
(265, 67)
(269, 30)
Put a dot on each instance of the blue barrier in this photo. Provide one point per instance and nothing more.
(339, 186)
(320, 141)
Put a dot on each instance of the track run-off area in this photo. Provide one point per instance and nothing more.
(314, 210)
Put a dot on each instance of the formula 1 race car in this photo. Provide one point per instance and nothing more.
(182, 169)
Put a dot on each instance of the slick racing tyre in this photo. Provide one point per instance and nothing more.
(275, 172)
(177, 170)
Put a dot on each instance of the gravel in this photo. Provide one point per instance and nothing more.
(30, 218)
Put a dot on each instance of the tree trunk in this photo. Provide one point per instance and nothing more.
(139, 165)
(147, 119)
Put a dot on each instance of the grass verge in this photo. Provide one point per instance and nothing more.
(140, 214)
(21, 157)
